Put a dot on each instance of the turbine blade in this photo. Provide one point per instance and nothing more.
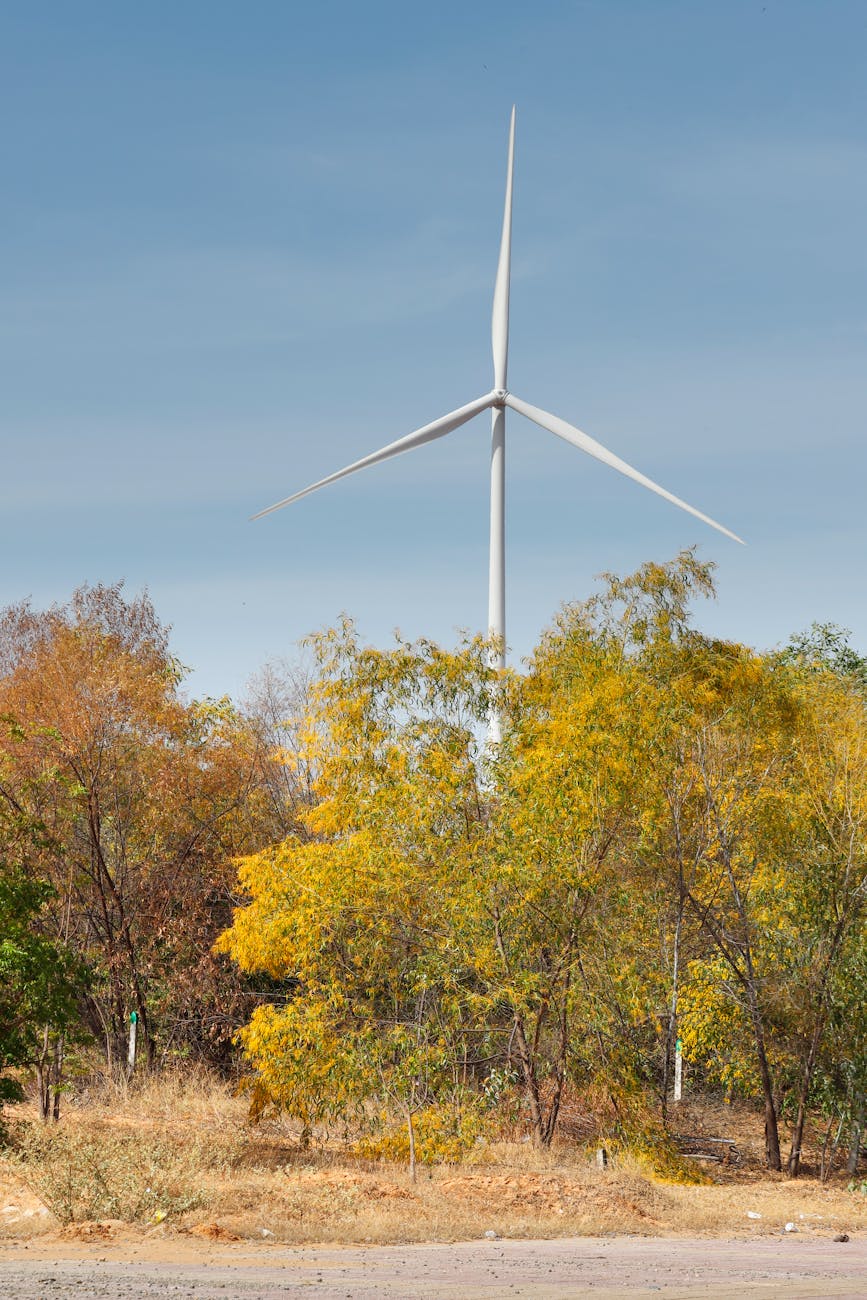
(584, 442)
(500, 314)
(438, 429)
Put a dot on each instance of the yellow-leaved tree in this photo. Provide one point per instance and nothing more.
(668, 840)
(369, 914)
(452, 916)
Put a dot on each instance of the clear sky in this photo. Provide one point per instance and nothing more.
(243, 245)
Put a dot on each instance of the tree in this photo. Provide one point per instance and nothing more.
(144, 799)
(829, 889)
(39, 979)
(668, 839)
(825, 646)
(723, 816)
(363, 913)
(450, 903)
(642, 623)
(780, 880)
(276, 710)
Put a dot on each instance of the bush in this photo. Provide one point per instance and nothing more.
(85, 1176)
(440, 1137)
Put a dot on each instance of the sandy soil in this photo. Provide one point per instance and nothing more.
(602, 1267)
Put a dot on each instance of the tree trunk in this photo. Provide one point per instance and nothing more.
(829, 1154)
(43, 1079)
(124, 952)
(772, 1130)
(815, 1041)
(49, 1075)
(671, 1034)
(750, 984)
(794, 1162)
(59, 1045)
(857, 1135)
(410, 1127)
(550, 1125)
(531, 1083)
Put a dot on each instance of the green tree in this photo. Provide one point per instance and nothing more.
(40, 981)
(826, 646)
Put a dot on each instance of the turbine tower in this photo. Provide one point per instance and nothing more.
(497, 400)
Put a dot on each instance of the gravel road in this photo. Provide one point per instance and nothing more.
(602, 1267)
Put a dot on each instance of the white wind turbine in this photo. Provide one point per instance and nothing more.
(498, 399)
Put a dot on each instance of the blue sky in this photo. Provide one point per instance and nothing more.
(244, 245)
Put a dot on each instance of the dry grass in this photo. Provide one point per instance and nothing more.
(176, 1153)
(174, 1098)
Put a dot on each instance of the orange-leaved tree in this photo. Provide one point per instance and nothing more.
(143, 799)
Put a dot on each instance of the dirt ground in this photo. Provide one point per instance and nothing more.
(209, 1206)
(601, 1267)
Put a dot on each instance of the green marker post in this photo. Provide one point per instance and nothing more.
(133, 1026)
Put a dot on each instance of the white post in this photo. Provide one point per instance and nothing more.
(497, 572)
(678, 1070)
(133, 1026)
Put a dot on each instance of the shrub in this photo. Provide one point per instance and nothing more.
(85, 1176)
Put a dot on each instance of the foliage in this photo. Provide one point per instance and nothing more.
(351, 912)
(143, 799)
(39, 978)
(449, 910)
(441, 1136)
(825, 646)
(668, 839)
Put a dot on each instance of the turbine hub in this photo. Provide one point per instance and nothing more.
(499, 399)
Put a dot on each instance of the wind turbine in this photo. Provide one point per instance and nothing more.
(497, 400)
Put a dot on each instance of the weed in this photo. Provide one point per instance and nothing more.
(81, 1176)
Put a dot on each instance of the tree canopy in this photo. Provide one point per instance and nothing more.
(669, 840)
(389, 912)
